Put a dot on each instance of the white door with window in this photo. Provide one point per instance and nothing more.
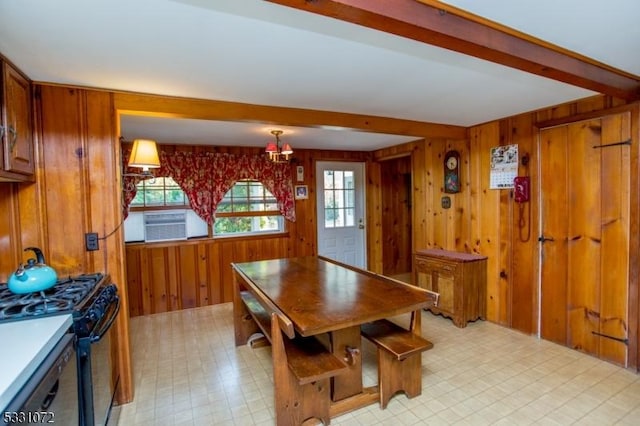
(341, 212)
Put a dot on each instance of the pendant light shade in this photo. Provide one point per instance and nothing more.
(286, 149)
(271, 148)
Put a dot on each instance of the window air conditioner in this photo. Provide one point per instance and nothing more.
(165, 226)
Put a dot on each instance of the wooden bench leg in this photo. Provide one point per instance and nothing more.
(296, 403)
(244, 326)
(395, 376)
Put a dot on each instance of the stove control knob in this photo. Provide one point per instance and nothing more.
(93, 314)
(110, 292)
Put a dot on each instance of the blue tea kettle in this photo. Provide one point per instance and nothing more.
(34, 276)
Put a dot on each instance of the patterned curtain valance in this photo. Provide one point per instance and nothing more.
(206, 176)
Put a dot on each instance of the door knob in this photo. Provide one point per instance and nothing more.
(360, 224)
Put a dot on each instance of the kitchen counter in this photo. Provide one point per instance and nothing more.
(25, 344)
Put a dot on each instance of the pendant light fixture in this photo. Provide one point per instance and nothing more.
(276, 153)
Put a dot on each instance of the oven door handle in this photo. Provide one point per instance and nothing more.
(97, 335)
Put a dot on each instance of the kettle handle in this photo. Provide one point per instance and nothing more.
(38, 253)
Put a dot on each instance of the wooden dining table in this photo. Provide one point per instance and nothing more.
(331, 300)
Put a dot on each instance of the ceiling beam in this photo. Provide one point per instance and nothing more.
(437, 24)
(167, 106)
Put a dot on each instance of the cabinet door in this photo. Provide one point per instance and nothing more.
(445, 285)
(17, 140)
(440, 279)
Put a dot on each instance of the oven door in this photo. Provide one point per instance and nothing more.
(97, 384)
(51, 394)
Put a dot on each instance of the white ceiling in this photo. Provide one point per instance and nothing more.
(257, 52)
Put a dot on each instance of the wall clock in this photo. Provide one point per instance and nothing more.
(452, 172)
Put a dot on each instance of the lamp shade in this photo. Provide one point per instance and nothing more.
(286, 149)
(271, 148)
(144, 154)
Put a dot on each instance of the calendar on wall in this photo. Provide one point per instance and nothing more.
(504, 166)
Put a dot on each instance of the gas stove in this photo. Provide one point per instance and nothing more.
(93, 302)
(72, 294)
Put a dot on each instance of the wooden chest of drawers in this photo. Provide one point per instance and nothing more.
(459, 278)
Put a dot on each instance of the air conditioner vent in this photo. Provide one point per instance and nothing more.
(165, 226)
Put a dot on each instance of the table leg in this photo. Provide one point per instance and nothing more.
(346, 344)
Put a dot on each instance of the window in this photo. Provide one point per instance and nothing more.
(339, 199)
(160, 212)
(160, 191)
(248, 208)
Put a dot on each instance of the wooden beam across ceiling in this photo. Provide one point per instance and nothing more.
(441, 25)
(202, 109)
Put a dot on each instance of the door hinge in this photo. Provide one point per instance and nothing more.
(617, 339)
(627, 142)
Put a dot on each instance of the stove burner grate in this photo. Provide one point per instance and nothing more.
(62, 297)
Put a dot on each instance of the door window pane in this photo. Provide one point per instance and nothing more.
(339, 198)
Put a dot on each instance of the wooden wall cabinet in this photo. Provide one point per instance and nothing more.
(16, 126)
(459, 278)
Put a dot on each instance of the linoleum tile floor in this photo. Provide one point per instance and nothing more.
(187, 371)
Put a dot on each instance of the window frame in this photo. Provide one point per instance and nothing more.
(218, 214)
(341, 196)
(164, 188)
(256, 213)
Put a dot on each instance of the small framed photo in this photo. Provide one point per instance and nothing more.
(302, 192)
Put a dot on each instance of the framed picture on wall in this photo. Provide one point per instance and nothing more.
(301, 192)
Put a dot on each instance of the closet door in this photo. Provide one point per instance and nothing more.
(585, 181)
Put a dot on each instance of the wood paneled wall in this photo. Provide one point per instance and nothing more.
(489, 222)
(11, 244)
(76, 191)
(507, 234)
(434, 226)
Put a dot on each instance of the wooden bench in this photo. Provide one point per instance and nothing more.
(399, 357)
(399, 350)
(261, 318)
(302, 366)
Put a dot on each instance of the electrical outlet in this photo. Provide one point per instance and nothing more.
(91, 241)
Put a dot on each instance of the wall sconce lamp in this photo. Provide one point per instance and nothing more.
(144, 155)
